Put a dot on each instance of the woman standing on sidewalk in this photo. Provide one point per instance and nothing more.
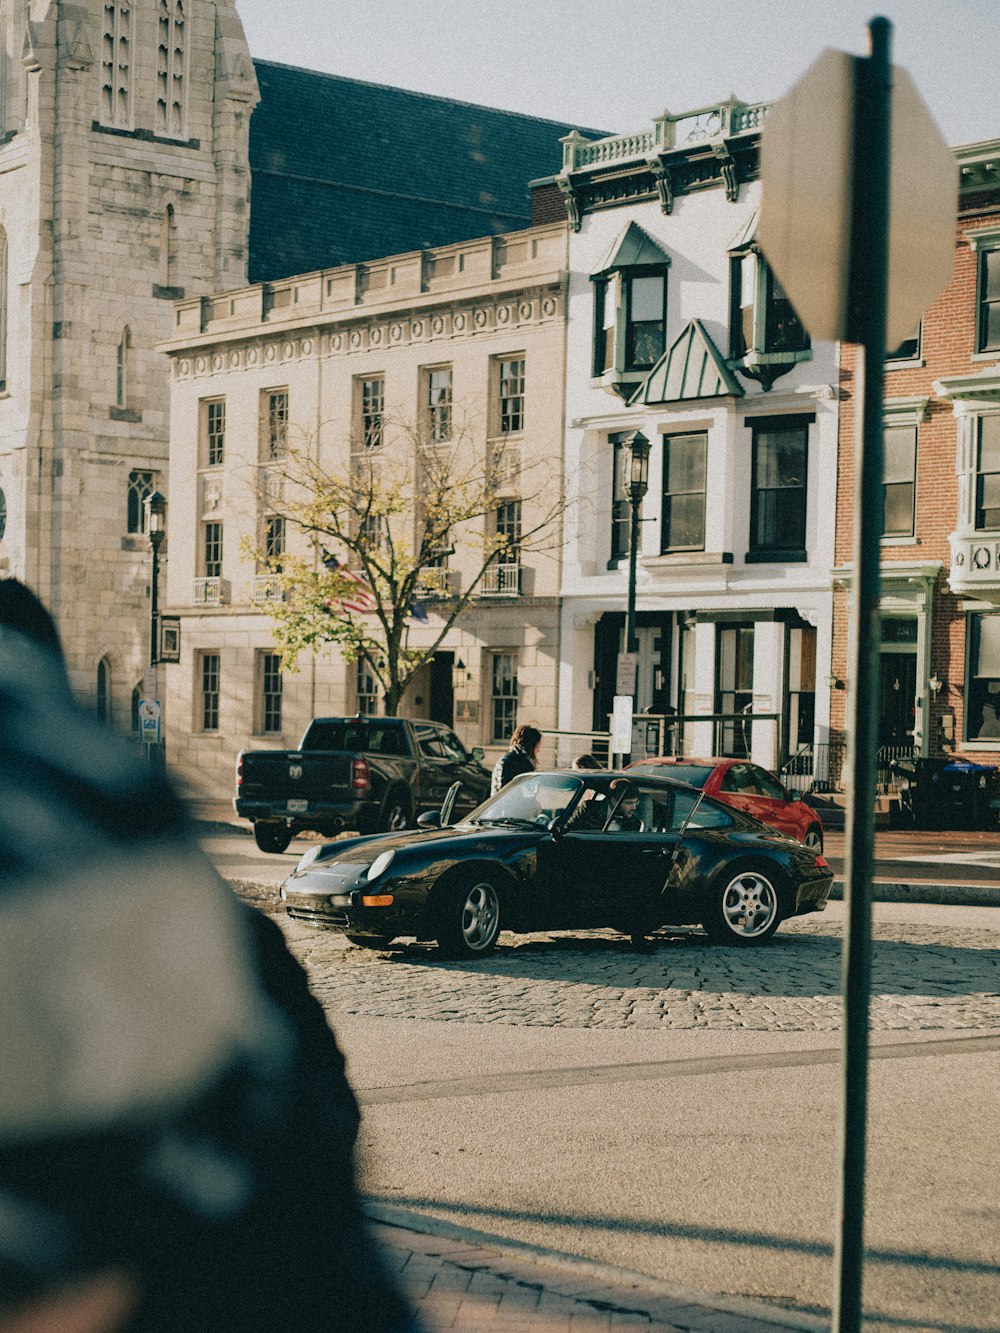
(522, 757)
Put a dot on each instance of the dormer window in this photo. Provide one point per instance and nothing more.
(766, 337)
(630, 311)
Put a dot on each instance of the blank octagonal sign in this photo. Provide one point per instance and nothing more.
(807, 157)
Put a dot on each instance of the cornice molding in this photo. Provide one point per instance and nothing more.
(373, 332)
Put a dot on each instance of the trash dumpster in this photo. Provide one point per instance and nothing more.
(966, 795)
(920, 790)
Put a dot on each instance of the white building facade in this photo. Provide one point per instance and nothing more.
(467, 340)
(677, 329)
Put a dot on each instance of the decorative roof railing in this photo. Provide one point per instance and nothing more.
(719, 121)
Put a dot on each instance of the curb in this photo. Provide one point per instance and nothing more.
(589, 1271)
(923, 891)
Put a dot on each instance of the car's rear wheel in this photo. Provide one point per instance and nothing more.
(271, 837)
(395, 813)
(470, 921)
(814, 839)
(370, 941)
(744, 908)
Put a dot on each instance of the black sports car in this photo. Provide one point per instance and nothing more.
(563, 851)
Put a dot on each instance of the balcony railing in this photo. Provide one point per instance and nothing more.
(718, 121)
(267, 588)
(211, 592)
(437, 583)
(501, 581)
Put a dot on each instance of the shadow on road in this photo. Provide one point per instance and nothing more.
(795, 964)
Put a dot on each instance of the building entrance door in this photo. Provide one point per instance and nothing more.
(898, 694)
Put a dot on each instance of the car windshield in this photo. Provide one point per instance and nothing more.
(534, 798)
(696, 775)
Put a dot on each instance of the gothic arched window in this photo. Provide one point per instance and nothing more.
(168, 248)
(116, 64)
(104, 691)
(4, 313)
(123, 368)
(170, 69)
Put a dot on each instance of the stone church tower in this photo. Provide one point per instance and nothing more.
(124, 185)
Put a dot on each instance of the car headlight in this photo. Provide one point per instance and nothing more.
(380, 864)
(307, 858)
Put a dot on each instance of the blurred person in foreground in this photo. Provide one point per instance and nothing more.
(176, 1130)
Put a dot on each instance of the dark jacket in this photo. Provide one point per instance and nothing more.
(174, 1103)
(511, 765)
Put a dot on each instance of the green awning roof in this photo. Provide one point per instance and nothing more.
(634, 249)
(692, 368)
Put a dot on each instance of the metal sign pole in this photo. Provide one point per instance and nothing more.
(867, 326)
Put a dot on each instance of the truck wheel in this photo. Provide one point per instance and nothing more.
(271, 837)
(395, 814)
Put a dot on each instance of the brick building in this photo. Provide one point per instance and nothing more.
(940, 650)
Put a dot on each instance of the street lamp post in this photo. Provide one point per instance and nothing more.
(638, 484)
(156, 530)
(156, 514)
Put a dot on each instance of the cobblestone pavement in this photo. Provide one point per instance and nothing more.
(458, 1283)
(924, 978)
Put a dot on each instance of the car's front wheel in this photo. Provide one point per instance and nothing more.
(271, 837)
(470, 922)
(814, 839)
(743, 908)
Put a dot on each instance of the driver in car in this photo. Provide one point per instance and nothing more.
(627, 818)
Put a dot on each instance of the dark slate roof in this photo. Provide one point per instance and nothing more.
(344, 171)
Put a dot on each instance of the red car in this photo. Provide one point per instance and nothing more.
(749, 788)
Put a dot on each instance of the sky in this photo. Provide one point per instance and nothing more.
(614, 66)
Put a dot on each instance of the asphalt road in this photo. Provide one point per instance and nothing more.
(676, 1112)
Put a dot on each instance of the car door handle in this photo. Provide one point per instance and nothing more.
(657, 851)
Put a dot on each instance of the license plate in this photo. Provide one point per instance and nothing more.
(297, 807)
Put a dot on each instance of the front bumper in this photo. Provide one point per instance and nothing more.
(335, 901)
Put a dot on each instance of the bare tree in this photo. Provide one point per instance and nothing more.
(378, 534)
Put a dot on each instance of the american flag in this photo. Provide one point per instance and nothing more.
(360, 599)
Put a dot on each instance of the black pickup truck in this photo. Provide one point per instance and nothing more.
(366, 774)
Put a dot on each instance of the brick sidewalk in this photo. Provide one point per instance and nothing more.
(464, 1284)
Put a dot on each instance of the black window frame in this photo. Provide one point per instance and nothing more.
(510, 393)
(212, 536)
(210, 688)
(141, 485)
(743, 344)
(271, 689)
(371, 396)
(984, 301)
(667, 547)
(900, 485)
(628, 278)
(761, 551)
(909, 348)
(978, 695)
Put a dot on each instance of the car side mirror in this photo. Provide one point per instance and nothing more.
(429, 819)
(478, 753)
